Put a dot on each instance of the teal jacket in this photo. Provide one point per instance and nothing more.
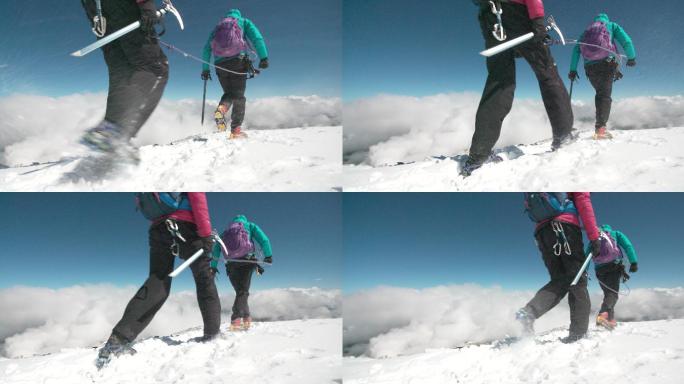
(622, 241)
(256, 235)
(616, 33)
(251, 33)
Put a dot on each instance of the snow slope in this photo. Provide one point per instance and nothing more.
(300, 351)
(635, 160)
(295, 159)
(638, 352)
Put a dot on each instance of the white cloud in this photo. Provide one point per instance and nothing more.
(390, 128)
(41, 128)
(41, 320)
(389, 321)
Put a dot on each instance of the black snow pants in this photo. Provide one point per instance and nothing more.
(497, 96)
(234, 88)
(609, 276)
(138, 69)
(240, 275)
(602, 75)
(562, 270)
(154, 292)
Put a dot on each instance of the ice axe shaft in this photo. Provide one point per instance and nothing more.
(581, 271)
(572, 82)
(186, 263)
(167, 8)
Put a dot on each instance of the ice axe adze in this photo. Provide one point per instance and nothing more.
(167, 8)
(521, 39)
(581, 271)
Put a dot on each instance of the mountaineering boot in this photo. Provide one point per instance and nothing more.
(472, 164)
(115, 346)
(236, 133)
(563, 140)
(236, 325)
(526, 319)
(220, 117)
(603, 321)
(601, 133)
(246, 323)
(571, 338)
(105, 137)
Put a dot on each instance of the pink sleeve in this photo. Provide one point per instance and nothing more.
(586, 212)
(535, 8)
(200, 212)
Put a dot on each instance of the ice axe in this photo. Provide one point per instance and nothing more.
(167, 8)
(581, 271)
(521, 39)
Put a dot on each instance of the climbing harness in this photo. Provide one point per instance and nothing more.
(172, 227)
(498, 31)
(99, 22)
(559, 248)
(251, 72)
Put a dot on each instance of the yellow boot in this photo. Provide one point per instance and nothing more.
(220, 117)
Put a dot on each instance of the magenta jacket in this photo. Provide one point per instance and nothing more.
(582, 202)
(199, 214)
(535, 8)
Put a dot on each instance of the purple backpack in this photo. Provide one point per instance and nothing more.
(228, 40)
(237, 241)
(610, 251)
(598, 36)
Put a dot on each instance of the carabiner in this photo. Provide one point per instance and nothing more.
(498, 31)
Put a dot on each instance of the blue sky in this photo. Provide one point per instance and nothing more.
(63, 239)
(423, 240)
(407, 47)
(303, 37)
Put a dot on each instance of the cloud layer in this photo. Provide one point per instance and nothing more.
(41, 320)
(389, 321)
(40, 128)
(390, 128)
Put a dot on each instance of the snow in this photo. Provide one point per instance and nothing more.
(635, 160)
(293, 159)
(636, 352)
(299, 351)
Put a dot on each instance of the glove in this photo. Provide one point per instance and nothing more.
(618, 76)
(206, 75)
(260, 270)
(268, 259)
(148, 19)
(631, 63)
(573, 75)
(263, 63)
(539, 29)
(595, 247)
(633, 267)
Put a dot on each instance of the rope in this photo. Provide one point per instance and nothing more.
(614, 291)
(169, 46)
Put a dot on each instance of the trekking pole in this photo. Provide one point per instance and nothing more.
(187, 263)
(581, 271)
(204, 98)
(572, 82)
